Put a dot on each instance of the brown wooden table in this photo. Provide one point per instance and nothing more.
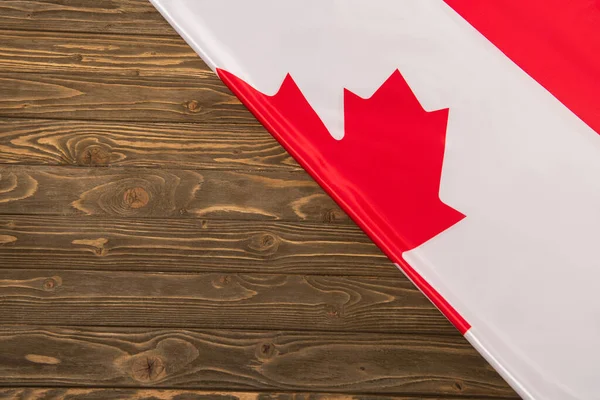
(157, 243)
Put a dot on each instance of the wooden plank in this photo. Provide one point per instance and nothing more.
(27, 52)
(120, 98)
(189, 246)
(138, 192)
(192, 146)
(103, 16)
(216, 300)
(289, 361)
(15, 393)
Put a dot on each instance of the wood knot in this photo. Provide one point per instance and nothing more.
(267, 241)
(264, 243)
(222, 281)
(148, 369)
(265, 350)
(50, 284)
(136, 197)
(94, 155)
(458, 386)
(77, 57)
(193, 106)
(332, 311)
(96, 244)
(331, 215)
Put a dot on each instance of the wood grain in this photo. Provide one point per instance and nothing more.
(289, 361)
(143, 197)
(189, 245)
(120, 98)
(215, 300)
(103, 144)
(136, 17)
(183, 394)
(138, 192)
(27, 52)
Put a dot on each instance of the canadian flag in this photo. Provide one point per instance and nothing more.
(462, 136)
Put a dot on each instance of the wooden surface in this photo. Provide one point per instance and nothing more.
(157, 243)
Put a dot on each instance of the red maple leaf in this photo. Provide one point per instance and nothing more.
(386, 170)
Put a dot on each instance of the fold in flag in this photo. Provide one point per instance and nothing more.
(462, 136)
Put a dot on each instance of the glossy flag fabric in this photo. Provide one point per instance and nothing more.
(462, 136)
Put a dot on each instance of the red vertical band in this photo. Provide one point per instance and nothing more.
(556, 42)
